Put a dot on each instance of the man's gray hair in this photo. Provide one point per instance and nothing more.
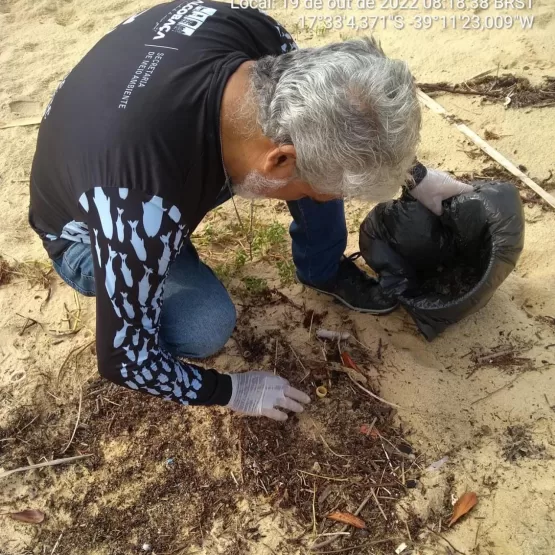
(350, 111)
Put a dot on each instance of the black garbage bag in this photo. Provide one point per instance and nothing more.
(444, 268)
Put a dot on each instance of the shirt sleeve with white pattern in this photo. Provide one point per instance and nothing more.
(135, 238)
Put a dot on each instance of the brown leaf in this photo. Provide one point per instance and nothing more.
(347, 518)
(31, 516)
(464, 503)
(349, 366)
(373, 433)
(348, 361)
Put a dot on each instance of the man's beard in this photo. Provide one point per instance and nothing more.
(255, 185)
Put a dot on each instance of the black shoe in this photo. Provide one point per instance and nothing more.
(355, 289)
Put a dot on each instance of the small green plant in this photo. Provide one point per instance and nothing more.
(286, 271)
(255, 285)
(268, 238)
(240, 258)
(229, 269)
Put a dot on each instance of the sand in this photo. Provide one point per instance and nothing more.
(491, 414)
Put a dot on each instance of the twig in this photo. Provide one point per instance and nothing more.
(316, 546)
(408, 530)
(371, 427)
(275, 359)
(57, 543)
(299, 361)
(378, 504)
(324, 477)
(486, 147)
(251, 237)
(55, 462)
(314, 511)
(491, 356)
(77, 351)
(360, 545)
(28, 323)
(77, 421)
(374, 395)
(496, 391)
(27, 425)
(331, 450)
(35, 120)
(311, 321)
(236, 211)
(477, 532)
(445, 540)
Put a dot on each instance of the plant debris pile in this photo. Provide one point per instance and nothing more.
(519, 444)
(168, 477)
(513, 91)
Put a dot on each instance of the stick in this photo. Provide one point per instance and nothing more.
(445, 540)
(331, 450)
(365, 544)
(486, 147)
(378, 504)
(56, 544)
(496, 391)
(77, 421)
(487, 358)
(316, 546)
(27, 425)
(324, 477)
(251, 237)
(275, 360)
(35, 120)
(76, 351)
(314, 511)
(373, 394)
(302, 365)
(55, 462)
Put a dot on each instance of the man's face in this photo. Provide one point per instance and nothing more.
(273, 175)
(255, 185)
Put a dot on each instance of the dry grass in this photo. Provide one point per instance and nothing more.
(35, 272)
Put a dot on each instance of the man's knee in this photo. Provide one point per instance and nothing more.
(216, 333)
(206, 334)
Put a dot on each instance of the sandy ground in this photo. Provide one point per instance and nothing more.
(493, 419)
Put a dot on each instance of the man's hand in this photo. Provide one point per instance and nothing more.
(262, 393)
(436, 187)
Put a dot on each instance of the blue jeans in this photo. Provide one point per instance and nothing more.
(198, 316)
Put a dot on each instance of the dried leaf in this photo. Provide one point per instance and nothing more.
(464, 503)
(348, 361)
(349, 366)
(347, 518)
(31, 516)
(367, 431)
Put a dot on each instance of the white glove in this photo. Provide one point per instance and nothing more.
(259, 393)
(436, 187)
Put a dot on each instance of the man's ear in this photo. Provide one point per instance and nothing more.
(280, 162)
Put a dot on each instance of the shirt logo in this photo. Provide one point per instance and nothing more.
(185, 20)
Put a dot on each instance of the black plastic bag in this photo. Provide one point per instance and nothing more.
(444, 268)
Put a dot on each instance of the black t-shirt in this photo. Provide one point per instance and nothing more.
(129, 160)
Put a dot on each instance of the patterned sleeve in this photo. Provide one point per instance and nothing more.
(136, 238)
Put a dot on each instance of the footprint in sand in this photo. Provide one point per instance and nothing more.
(87, 27)
(29, 46)
(65, 18)
(25, 107)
